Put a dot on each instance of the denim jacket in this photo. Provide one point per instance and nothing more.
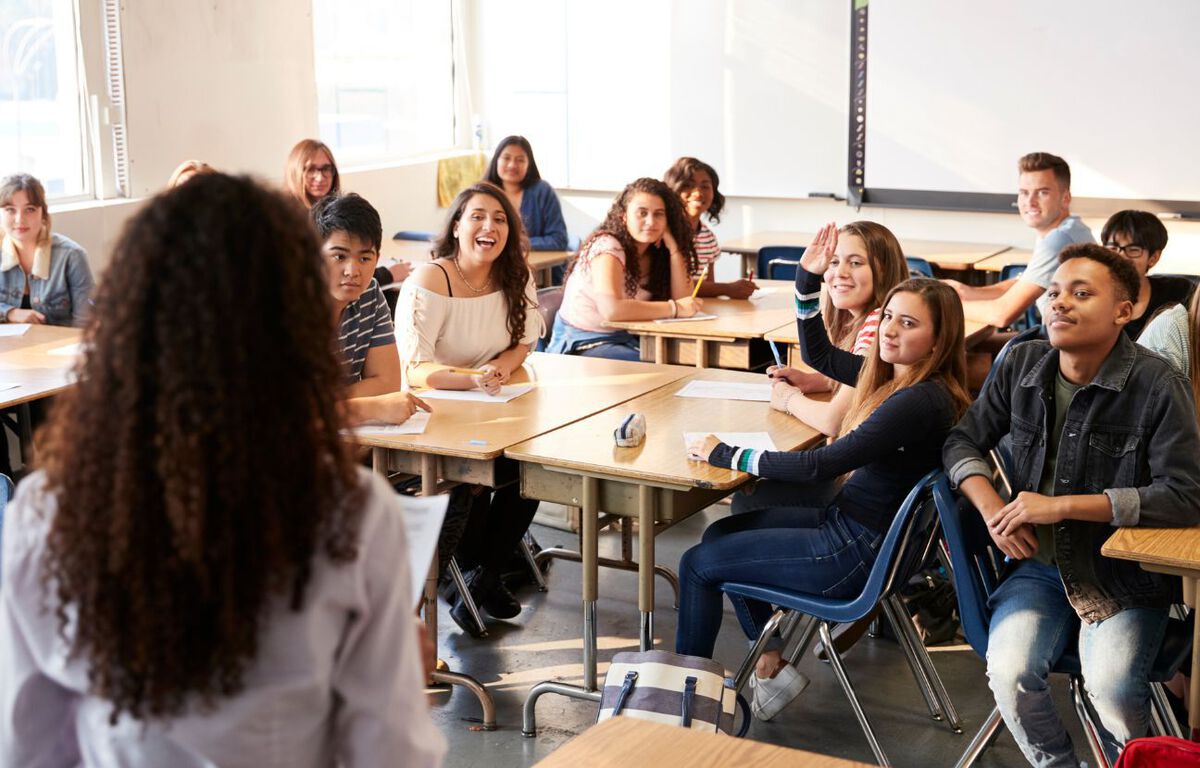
(1130, 434)
(60, 285)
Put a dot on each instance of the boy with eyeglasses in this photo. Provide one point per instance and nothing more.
(1140, 237)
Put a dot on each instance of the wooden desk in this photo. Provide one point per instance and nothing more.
(26, 362)
(463, 440)
(1173, 551)
(655, 483)
(787, 334)
(620, 742)
(1001, 260)
(418, 251)
(724, 341)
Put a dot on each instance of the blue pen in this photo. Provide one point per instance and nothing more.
(775, 352)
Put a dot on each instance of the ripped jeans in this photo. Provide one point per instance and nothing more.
(821, 552)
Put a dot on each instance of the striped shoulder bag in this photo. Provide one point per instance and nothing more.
(668, 688)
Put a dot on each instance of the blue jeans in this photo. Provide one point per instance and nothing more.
(566, 339)
(818, 551)
(1032, 624)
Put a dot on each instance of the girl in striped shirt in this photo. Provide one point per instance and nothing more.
(697, 184)
(862, 263)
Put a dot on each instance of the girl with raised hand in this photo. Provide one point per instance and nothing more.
(910, 390)
(637, 265)
(514, 170)
(44, 276)
(467, 320)
(198, 573)
(859, 264)
(698, 187)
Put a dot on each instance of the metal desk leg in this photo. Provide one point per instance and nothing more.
(646, 565)
(1191, 596)
(588, 521)
(429, 485)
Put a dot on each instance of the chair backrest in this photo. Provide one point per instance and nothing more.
(919, 267)
(1029, 334)
(786, 257)
(413, 234)
(549, 300)
(1030, 318)
(6, 492)
(975, 560)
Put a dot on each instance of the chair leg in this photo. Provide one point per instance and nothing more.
(910, 655)
(1165, 716)
(461, 584)
(926, 664)
(743, 674)
(527, 551)
(808, 636)
(835, 661)
(983, 739)
(1084, 713)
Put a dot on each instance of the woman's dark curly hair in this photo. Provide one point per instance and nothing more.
(197, 464)
(659, 283)
(510, 271)
(679, 179)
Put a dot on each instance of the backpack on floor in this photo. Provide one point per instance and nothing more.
(1160, 752)
(671, 689)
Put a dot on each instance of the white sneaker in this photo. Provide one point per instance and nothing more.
(772, 694)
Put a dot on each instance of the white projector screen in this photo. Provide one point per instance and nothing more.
(957, 91)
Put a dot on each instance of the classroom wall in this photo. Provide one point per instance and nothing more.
(234, 85)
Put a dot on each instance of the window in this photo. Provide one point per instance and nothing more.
(41, 120)
(385, 77)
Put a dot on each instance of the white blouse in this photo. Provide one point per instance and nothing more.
(461, 331)
(337, 683)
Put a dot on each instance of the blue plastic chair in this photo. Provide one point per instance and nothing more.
(778, 262)
(918, 267)
(1002, 454)
(907, 545)
(977, 565)
(1031, 317)
(6, 492)
(413, 234)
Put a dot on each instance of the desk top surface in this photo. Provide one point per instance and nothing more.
(26, 361)
(567, 388)
(587, 445)
(1175, 548)
(735, 318)
(624, 741)
(419, 251)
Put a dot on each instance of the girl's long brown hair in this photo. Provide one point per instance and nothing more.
(197, 463)
(510, 271)
(877, 381)
(614, 225)
(888, 269)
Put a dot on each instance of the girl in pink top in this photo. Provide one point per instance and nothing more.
(637, 265)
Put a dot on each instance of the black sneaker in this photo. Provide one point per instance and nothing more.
(492, 596)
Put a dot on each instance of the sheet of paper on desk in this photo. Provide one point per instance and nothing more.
(415, 425)
(771, 290)
(67, 350)
(507, 392)
(422, 523)
(13, 329)
(759, 441)
(8, 385)
(699, 316)
(726, 390)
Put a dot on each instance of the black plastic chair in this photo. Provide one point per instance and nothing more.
(413, 234)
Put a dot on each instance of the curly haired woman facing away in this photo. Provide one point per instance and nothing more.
(198, 574)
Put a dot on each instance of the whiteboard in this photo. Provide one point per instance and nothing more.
(607, 92)
(957, 92)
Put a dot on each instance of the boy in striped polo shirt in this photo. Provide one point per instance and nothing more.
(351, 234)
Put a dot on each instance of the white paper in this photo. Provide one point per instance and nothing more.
(700, 316)
(762, 293)
(415, 425)
(423, 517)
(759, 441)
(8, 385)
(67, 350)
(13, 329)
(726, 390)
(507, 392)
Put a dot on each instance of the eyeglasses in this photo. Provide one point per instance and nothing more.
(314, 170)
(1131, 251)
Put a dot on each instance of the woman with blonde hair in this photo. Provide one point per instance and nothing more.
(311, 172)
(186, 170)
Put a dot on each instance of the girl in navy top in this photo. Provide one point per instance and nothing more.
(910, 390)
(514, 170)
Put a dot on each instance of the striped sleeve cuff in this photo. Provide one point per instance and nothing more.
(746, 460)
(807, 304)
